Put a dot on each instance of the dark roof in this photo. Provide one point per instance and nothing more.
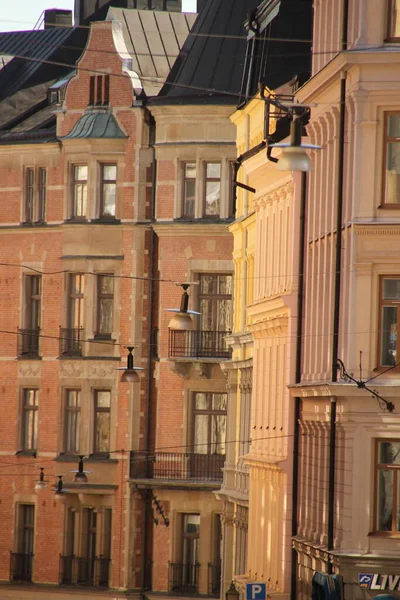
(35, 53)
(210, 64)
(96, 125)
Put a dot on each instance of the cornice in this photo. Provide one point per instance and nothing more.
(348, 390)
(377, 229)
(275, 194)
(191, 229)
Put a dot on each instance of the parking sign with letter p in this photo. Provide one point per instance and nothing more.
(256, 591)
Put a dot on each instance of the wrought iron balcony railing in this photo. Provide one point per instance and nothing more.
(198, 344)
(174, 466)
(71, 341)
(28, 343)
(214, 579)
(75, 570)
(183, 579)
(21, 566)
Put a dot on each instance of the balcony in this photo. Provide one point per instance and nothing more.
(174, 466)
(198, 344)
(71, 341)
(21, 566)
(183, 579)
(75, 570)
(28, 343)
(214, 580)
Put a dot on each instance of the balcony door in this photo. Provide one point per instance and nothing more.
(215, 306)
(208, 434)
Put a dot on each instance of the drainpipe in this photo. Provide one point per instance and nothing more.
(146, 495)
(297, 400)
(336, 313)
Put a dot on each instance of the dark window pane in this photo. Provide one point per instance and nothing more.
(389, 336)
(385, 500)
(103, 432)
(392, 177)
(391, 289)
(389, 453)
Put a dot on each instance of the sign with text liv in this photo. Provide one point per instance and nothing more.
(377, 581)
(256, 591)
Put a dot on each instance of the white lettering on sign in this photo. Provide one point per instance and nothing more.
(383, 582)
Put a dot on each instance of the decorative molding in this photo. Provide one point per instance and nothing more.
(71, 368)
(375, 229)
(274, 196)
(29, 369)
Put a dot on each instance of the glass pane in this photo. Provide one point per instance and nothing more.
(30, 430)
(392, 186)
(206, 315)
(81, 173)
(105, 315)
(225, 284)
(393, 126)
(103, 399)
(208, 284)
(106, 284)
(110, 172)
(213, 193)
(385, 500)
(224, 315)
(109, 195)
(30, 397)
(201, 434)
(103, 432)
(201, 401)
(213, 171)
(389, 453)
(391, 289)
(218, 434)
(73, 431)
(80, 199)
(191, 524)
(189, 198)
(190, 170)
(74, 398)
(219, 401)
(389, 336)
(77, 284)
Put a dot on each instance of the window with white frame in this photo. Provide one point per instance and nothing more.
(79, 191)
(29, 419)
(108, 191)
(202, 190)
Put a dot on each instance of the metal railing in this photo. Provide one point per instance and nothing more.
(183, 579)
(71, 341)
(214, 579)
(75, 570)
(175, 466)
(28, 343)
(198, 344)
(21, 566)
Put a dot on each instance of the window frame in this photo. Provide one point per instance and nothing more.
(206, 180)
(386, 141)
(68, 410)
(75, 185)
(210, 413)
(185, 179)
(101, 410)
(214, 298)
(391, 7)
(24, 525)
(395, 493)
(104, 296)
(381, 304)
(104, 182)
(34, 193)
(26, 409)
(76, 298)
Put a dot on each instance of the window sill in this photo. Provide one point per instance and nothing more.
(389, 207)
(385, 534)
(107, 221)
(29, 357)
(76, 220)
(33, 224)
(26, 453)
(73, 458)
(102, 337)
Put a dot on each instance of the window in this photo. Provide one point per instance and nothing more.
(21, 560)
(71, 337)
(387, 486)
(72, 421)
(99, 90)
(215, 301)
(391, 177)
(209, 423)
(108, 191)
(189, 190)
(79, 192)
(28, 339)
(102, 405)
(105, 301)
(394, 19)
(184, 575)
(212, 191)
(35, 195)
(389, 321)
(29, 419)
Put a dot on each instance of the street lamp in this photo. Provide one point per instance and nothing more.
(129, 374)
(80, 474)
(40, 484)
(60, 492)
(182, 320)
(232, 593)
(294, 156)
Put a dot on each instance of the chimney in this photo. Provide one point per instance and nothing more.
(57, 17)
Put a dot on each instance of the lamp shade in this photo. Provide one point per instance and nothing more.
(129, 376)
(181, 321)
(294, 158)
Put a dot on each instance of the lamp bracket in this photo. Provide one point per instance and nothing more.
(384, 404)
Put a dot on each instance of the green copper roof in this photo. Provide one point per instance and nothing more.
(96, 125)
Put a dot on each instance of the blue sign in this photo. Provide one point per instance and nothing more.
(256, 591)
(364, 580)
